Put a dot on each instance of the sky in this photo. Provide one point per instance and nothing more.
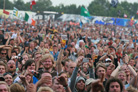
(77, 2)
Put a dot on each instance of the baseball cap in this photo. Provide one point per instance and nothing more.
(88, 81)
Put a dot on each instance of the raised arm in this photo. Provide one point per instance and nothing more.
(74, 74)
(59, 65)
(114, 73)
(91, 72)
(63, 82)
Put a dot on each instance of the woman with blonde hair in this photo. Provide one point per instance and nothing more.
(4, 86)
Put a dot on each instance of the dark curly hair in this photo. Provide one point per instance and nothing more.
(113, 80)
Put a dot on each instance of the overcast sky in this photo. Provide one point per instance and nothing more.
(77, 2)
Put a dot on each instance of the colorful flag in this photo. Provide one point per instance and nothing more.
(132, 17)
(6, 12)
(125, 16)
(31, 21)
(84, 12)
(15, 12)
(26, 18)
(32, 3)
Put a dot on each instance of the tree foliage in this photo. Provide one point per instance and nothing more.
(96, 7)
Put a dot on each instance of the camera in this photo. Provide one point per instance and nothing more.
(16, 57)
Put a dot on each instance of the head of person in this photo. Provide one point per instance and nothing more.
(45, 51)
(8, 78)
(131, 89)
(29, 77)
(71, 66)
(65, 64)
(110, 68)
(81, 42)
(3, 53)
(17, 49)
(57, 87)
(88, 84)
(125, 68)
(12, 41)
(37, 56)
(100, 70)
(114, 85)
(42, 44)
(45, 89)
(64, 74)
(14, 55)
(25, 57)
(122, 76)
(30, 65)
(48, 76)
(80, 84)
(11, 66)
(47, 61)
(32, 45)
(55, 48)
(132, 62)
(4, 87)
(17, 88)
(3, 68)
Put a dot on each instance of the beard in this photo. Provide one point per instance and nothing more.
(11, 70)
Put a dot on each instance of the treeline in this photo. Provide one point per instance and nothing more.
(96, 7)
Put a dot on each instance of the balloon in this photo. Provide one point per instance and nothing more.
(114, 3)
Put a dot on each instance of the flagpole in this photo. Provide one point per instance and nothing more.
(4, 5)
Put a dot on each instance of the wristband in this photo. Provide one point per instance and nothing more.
(62, 48)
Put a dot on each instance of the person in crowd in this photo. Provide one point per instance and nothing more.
(4, 87)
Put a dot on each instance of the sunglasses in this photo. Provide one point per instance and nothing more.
(3, 53)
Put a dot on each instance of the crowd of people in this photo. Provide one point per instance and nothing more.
(59, 57)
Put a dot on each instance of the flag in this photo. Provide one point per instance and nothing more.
(81, 23)
(84, 12)
(15, 12)
(26, 18)
(137, 11)
(31, 21)
(114, 3)
(32, 3)
(132, 17)
(125, 16)
(6, 12)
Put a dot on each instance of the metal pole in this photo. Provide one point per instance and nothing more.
(4, 5)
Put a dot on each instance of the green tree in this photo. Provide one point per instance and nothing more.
(8, 4)
(42, 5)
(19, 4)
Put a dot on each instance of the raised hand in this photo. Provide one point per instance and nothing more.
(79, 61)
(97, 85)
(31, 88)
(90, 63)
(62, 81)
